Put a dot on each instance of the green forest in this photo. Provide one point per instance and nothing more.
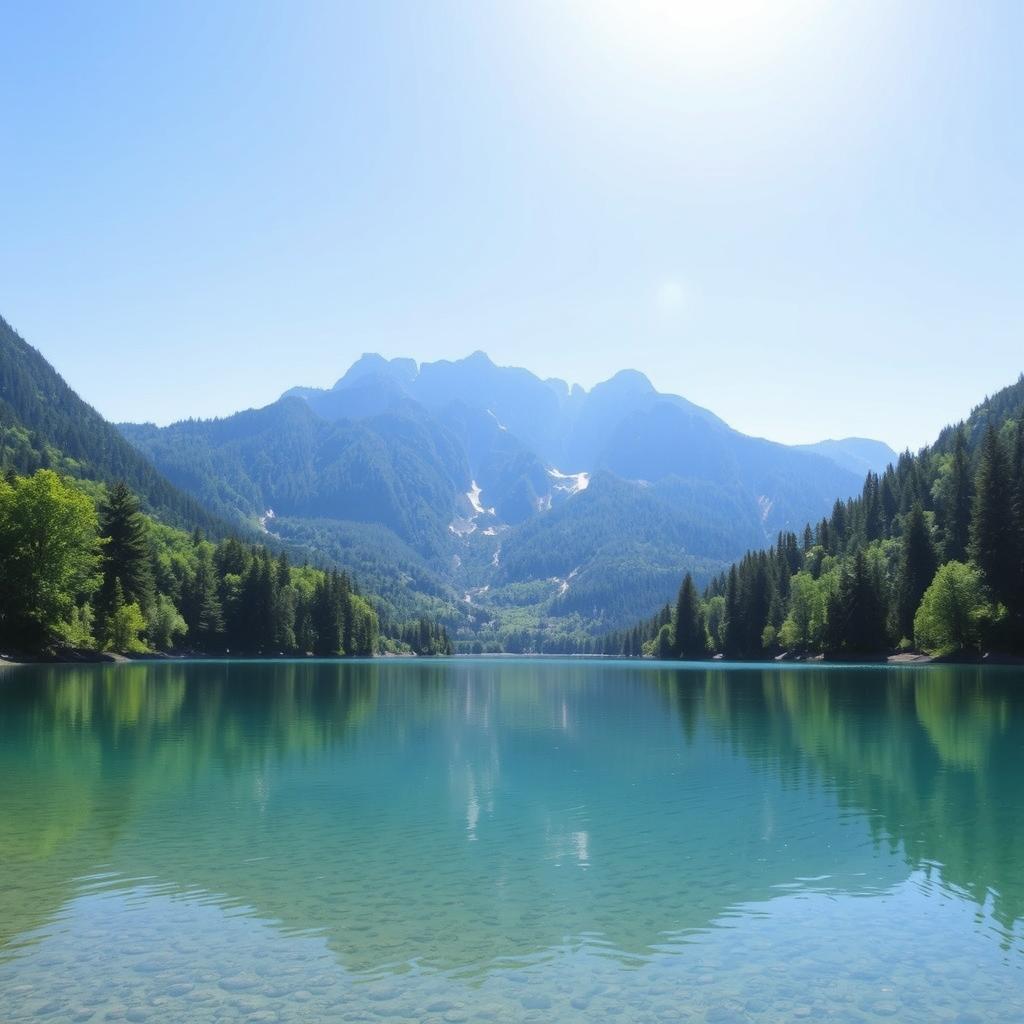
(84, 568)
(929, 558)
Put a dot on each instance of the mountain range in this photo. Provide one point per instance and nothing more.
(499, 501)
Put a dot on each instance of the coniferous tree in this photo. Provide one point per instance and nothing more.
(689, 637)
(916, 570)
(872, 509)
(126, 551)
(257, 601)
(862, 610)
(1017, 467)
(201, 606)
(993, 546)
(305, 635)
(825, 535)
(732, 626)
(753, 605)
(343, 596)
(956, 503)
(326, 617)
(837, 528)
(1017, 472)
(231, 557)
(285, 604)
(888, 500)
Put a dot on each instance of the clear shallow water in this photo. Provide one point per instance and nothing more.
(511, 841)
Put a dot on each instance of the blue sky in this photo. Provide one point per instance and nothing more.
(806, 216)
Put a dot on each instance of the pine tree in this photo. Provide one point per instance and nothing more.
(285, 603)
(1017, 470)
(305, 635)
(993, 545)
(889, 501)
(732, 627)
(343, 597)
(872, 507)
(916, 570)
(126, 551)
(258, 605)
(837, 528)
(326, 616)
(856, 612)
(201, 606)
(956, 504)
(689, 638)
(825, 535)
(231, 557)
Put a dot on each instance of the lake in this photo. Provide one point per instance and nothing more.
(511, 840)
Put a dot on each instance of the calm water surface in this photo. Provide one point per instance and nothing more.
(511, 841)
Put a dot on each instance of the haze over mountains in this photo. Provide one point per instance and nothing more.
(488, 494)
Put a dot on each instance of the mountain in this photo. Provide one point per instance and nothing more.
(860, 455)
(510, 504)
(44, 423)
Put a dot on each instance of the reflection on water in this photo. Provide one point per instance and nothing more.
(511, 840)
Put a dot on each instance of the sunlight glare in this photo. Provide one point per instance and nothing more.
(720, 35)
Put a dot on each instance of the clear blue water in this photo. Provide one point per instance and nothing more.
(502, 840)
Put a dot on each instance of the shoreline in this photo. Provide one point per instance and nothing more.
(77, 657)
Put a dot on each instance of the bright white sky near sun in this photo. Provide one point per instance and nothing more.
(806, 216)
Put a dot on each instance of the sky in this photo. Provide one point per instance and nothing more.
(805, 216)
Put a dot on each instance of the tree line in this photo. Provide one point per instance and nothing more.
(81, 566)
(929, 557)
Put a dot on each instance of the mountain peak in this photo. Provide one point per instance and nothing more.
(631, 382)
(371, 364)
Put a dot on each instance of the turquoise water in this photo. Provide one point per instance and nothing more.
(503, 840)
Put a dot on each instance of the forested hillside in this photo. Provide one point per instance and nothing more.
(929, 557)
(43, 423)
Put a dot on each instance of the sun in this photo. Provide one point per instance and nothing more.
(701, 34)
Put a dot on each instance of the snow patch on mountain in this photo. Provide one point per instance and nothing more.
(264, 519)
(473, 494)
(464, 525)
(563, 584)
(568, 483)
